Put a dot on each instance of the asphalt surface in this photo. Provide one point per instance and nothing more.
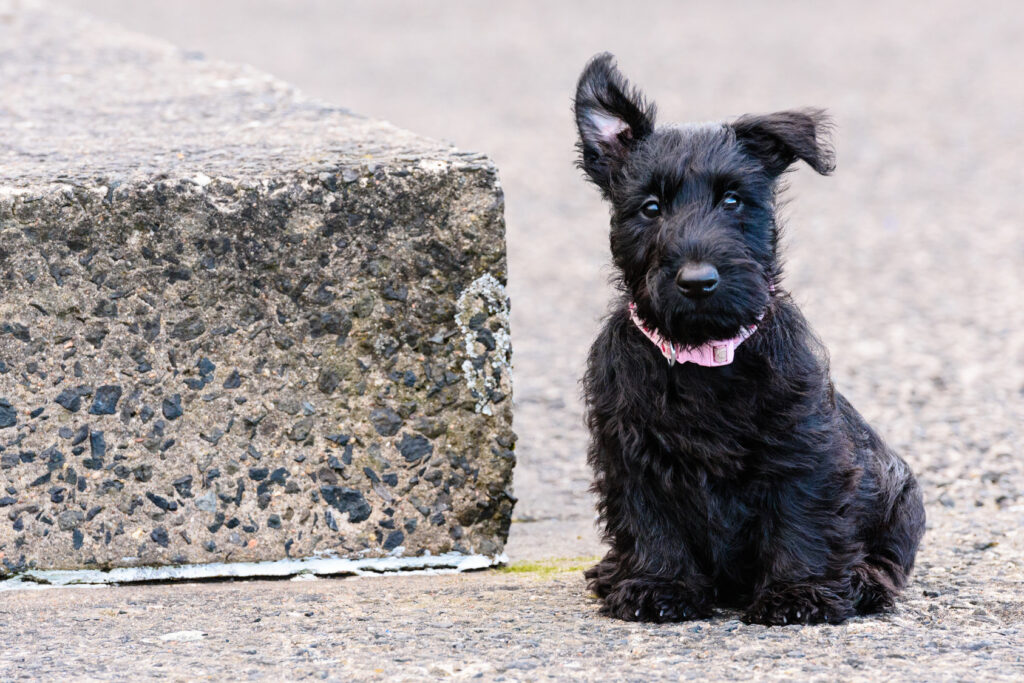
(908, 262)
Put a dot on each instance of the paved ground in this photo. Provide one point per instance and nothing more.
(908, 262)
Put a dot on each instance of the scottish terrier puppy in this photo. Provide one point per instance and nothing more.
(728, 469)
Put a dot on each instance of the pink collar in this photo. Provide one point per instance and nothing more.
(710, 354)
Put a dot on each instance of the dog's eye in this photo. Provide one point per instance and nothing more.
(651, 209)
(731, 201)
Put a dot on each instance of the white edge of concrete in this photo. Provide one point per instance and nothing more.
(318, 566)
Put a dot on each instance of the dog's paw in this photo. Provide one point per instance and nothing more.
(874, 589)
(654, 601)
(804, 603)
(602, 577)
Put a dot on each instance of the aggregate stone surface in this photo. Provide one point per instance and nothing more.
(236, 323)
(909, 263)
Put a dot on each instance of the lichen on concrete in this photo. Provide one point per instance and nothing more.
(482, 315)
(232, 324)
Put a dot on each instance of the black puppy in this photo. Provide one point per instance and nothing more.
(728, 469)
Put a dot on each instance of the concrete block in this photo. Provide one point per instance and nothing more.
(237, 324)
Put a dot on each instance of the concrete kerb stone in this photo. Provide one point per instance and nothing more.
(236, 324)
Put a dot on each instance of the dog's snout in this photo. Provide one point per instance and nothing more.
(697, 280)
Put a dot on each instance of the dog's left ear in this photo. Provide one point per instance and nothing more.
(779, 139)
(612, 117)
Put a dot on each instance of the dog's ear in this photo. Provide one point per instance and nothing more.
(612, 118)
(779, 139)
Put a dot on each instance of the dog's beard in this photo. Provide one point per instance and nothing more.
(740, 301)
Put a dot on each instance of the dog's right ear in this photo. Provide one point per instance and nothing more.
(612, 118)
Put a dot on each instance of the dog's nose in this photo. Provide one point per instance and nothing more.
(697, 280)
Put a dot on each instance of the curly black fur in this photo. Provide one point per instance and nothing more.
(754, 485)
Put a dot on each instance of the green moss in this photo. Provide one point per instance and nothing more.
(548, 567)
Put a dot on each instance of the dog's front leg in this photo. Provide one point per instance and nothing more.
(650, 573)
(804, 556)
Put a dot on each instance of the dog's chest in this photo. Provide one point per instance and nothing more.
(715, 519)
(713, 441)
(704, 428)
(732, 519)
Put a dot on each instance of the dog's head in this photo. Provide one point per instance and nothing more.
(693, 227)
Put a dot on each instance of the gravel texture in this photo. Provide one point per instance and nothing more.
(909, 262)
(533, 624)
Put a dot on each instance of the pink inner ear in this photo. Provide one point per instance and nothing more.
(607, 127)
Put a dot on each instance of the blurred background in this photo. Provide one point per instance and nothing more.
(908, 261)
